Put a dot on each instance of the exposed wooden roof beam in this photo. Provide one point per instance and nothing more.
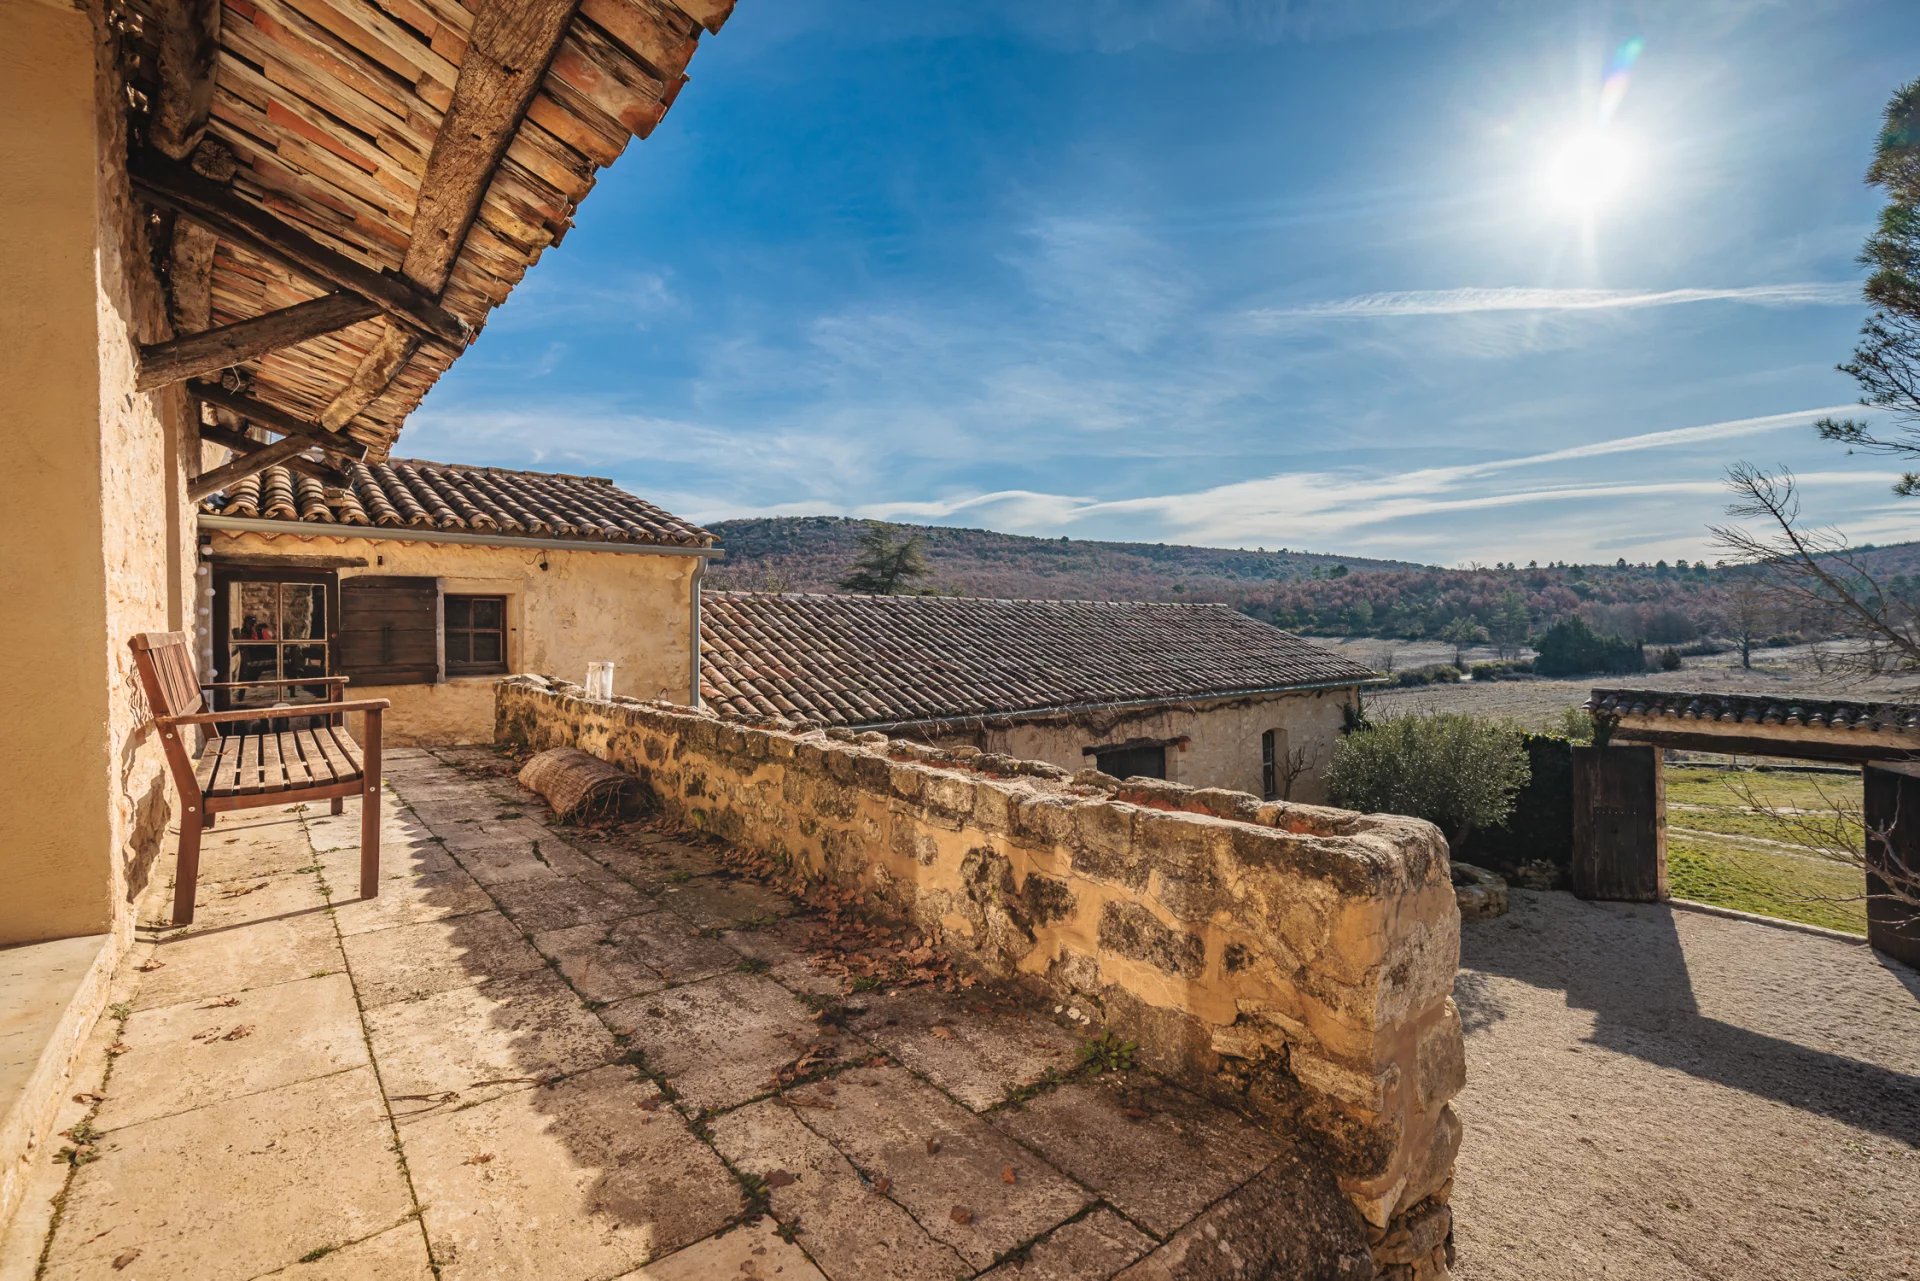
(379, 367)
(165, 363)
(509, 48)
(241, 443)
(172, 185)
(189, 47)
(708, 13)
(261, 414)
(190, 255)
(284, 450)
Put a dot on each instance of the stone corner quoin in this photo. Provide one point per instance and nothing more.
(1295, 960)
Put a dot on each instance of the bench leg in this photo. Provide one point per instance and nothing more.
(339, 805)
(187, 872)
(206, 819)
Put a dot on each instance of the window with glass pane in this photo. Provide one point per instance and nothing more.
(476, 635)
(277, 636)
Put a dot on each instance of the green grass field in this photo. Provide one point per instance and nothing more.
(1734, 866)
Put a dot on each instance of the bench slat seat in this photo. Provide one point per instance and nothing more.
(278, 761)
(262, 761)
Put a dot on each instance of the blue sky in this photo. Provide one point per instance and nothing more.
(1273, 273)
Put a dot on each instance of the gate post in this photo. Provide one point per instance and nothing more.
(1619, 824)
(1893, 841)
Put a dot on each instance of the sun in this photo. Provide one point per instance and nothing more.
(1588, 172)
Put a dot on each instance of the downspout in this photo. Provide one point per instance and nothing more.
(693, 633)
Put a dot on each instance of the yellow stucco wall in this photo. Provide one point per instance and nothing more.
(1223, 747)
(583, 606)
(95, 470)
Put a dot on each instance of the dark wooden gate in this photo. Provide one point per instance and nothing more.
(1893, 840)
(1619, 824)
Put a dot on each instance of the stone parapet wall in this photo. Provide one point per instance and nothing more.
(1295, 959)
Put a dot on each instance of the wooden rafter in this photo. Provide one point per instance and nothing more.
(379, 367)
(241, 443)
(165, 363)
(284, 450)
(172, 185)
(261, 414)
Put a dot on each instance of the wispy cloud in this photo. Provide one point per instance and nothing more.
(1476, 301)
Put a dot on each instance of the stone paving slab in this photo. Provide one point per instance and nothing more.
(1097, 1245)
(473, 1043)
(407, 962)
(946, 1166)
(754, 1252)
(850, 1228)
(425, 898)
(583, 1180)
(1118, 1136)
(398, 1254)
(543, 903)
(720, 1041)
(198, 1052)
(642, 954)
(978, 1052)
(231, 1191)
(204, 964)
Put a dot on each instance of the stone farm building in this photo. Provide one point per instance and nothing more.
(242, 240)
(1195, 694)
(425, 582)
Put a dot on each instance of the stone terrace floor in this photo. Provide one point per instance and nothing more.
(548, 1053)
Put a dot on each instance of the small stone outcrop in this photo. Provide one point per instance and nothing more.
(1480, 893)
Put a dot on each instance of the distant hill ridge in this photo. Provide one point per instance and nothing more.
(1314, 592)
(812, 553)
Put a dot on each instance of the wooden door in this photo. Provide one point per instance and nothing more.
(1619, 824)
(1893, 841)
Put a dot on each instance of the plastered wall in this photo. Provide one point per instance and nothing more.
(1223, 738)
(95, 471)
(583, 606)
(1294, 959)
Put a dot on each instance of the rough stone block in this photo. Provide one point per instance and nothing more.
(1442, 1058)
(1103, 844)
(1133, 931)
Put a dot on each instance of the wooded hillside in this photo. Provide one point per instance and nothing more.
(1660, 604)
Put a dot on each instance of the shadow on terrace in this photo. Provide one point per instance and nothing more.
(564, 1053)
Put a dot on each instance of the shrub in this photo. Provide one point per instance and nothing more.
(1571, 648)
(1457, 772)
(1511, 669)
(1431, 674)
(1670, 659)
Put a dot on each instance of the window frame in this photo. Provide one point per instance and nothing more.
(281, 689)
(470, 666)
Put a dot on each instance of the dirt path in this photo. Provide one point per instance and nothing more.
(1658, 1094)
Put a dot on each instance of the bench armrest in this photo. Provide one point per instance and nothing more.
(291, 680)
(278, 713)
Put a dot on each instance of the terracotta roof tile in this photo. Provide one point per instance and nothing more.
(877, 660)
(408, 493)
(1756, 709)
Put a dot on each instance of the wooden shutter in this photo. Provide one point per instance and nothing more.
(389, 630)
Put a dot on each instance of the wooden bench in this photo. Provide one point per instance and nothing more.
(251, 769)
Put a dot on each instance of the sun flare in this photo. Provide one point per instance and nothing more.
(1588, 172)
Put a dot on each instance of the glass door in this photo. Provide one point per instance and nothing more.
(275, 633)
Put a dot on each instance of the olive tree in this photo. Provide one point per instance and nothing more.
(1458, 772)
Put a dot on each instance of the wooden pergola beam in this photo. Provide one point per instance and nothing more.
(172, 185)
(261, 414)
(284, 450)
(165, 363)
(241, 443)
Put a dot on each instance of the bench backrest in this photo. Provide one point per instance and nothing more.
(165, 663)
